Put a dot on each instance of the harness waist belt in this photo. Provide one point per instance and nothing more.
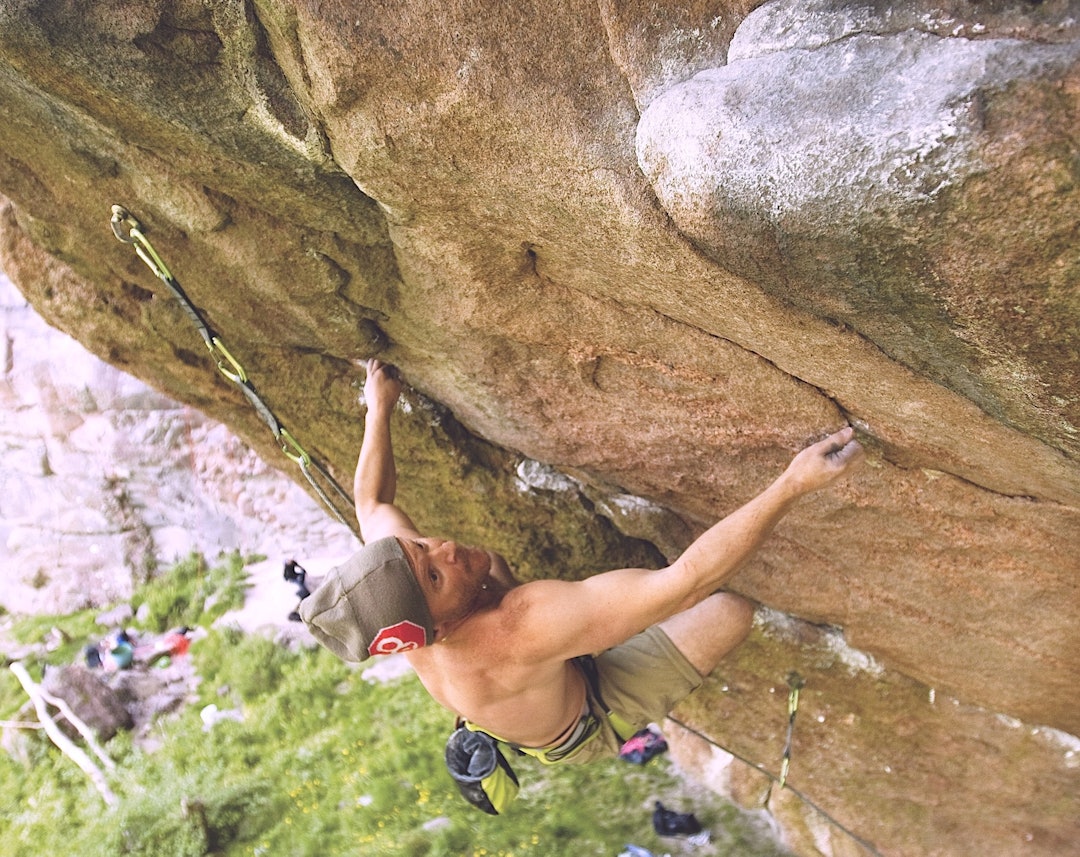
(586, 727)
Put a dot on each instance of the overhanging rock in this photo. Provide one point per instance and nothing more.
(530, 212)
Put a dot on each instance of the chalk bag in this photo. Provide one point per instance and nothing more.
(483, 776)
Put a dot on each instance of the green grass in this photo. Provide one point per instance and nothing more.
(192, 593)
(324, 763)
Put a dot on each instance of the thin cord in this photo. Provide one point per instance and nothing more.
(854, 836)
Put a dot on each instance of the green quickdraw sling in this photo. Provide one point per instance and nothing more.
(128, 229)
(795, 684)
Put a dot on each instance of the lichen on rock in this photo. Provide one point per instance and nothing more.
(655, 248)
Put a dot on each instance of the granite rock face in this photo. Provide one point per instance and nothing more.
(630, 257)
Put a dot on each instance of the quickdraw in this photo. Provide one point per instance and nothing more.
(795, 684)
(128, 230)
(820, 810)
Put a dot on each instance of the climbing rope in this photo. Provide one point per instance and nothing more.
(127, 229)
(795, 684)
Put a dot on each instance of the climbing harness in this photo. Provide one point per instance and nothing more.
(128, 230)
(477, 764)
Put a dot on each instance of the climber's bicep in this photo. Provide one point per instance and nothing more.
(563, 619)
(379, 520)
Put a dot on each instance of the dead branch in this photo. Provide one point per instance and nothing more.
(56, 735)
(80, 726)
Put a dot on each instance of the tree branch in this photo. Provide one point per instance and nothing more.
(65, 744)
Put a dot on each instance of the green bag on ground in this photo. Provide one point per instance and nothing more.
(483, 776)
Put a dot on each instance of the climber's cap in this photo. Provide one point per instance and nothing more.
(370, 605)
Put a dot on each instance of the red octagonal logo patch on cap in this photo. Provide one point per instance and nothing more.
(402, 637)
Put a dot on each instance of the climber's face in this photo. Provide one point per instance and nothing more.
(451, 576)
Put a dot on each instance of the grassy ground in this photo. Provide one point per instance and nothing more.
(323, 763)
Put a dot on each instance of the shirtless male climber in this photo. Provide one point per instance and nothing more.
(512, 660)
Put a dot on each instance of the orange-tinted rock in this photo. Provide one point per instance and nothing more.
(491, 196)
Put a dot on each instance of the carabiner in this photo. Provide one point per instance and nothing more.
(121, 216)
(793, 699)
(148, 254)
(143, 248)
(795, 683)
(300, 456)
(216, 346)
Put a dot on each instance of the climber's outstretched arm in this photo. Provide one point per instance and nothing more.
(718, 553)
(560, 619)
(375, 482)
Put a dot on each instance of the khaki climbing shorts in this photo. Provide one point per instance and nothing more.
(641, 680)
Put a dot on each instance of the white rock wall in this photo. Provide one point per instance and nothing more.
(103, 478)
